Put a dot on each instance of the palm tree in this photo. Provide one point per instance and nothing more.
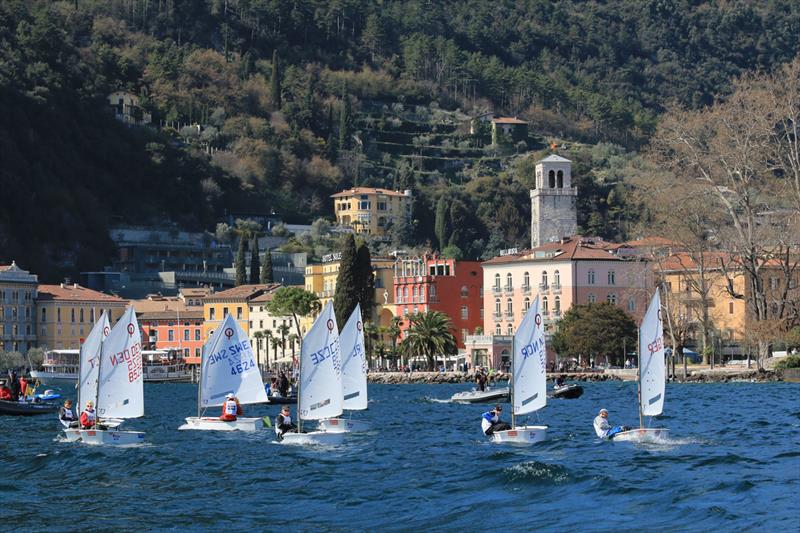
(283, 329)
(293, 339)
(394, 331)
(276, 342)
(258, 336)
(430, 334)
(268, 336)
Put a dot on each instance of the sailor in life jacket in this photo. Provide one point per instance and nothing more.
(88, 417)
(66, 415)
(283, 422)
(490, 421)
(231, 409)
(603, 428)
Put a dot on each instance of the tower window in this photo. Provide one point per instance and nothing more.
(560, 179)
(551, 179)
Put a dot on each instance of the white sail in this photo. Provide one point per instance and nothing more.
(88, 364)
(321, 369)
(230, 368)
(121, 390)
(354, 362)
(651, 359)
(530, 358)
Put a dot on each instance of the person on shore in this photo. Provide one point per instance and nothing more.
(66, 415)
(480, 380)
(5, 392)
(283, 422)
(283, 384)
(604, 429)
(231, 409)
(490, 422)
(88, 417)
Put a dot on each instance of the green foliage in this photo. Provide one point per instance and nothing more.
(292, 301)
(430, 334)
(442, 227)
(266, 269)
(790, 361)
(595, 330)
(345, 121)
(241, 270)
(11, 360)
(275, 81)
(255, 262)
(348, 290)
(365, 281)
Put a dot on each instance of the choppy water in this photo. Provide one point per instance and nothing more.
(733, 464)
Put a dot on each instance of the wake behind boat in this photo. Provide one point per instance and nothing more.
(490, 395)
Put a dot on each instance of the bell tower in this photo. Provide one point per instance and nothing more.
(554, 213)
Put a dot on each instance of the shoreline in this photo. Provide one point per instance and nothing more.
(694, 376)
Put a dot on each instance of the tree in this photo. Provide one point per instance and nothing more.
(430, 334)
(365, 281)
(283, 329)
(595, 330)
(394, 331)
(348, 291)
(241, 272)
(255, 262)
(442, 224)
(267, 333)
(344, 121)
(294, 302)
(266, 268)
(275, 81)
(259, 337)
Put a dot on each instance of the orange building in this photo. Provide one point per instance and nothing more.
(432, 283)
(179, 330)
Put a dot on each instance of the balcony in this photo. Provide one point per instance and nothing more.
(508, 288)
(556, 313)
(556, 289)
(497, 316)
(526, 289)
(543, 286)
(496, 289)
(509, 315)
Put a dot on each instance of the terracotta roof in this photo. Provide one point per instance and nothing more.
(242, 292)
(149, 305)
(194, 314)
(196, 291)
(263, 297)
(685, 261)
(74, 292)
(508, 120)
(367, 190)
(569, 249)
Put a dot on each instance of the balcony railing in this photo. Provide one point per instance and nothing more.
(556, 312)
(556, 289)
(496, 289)
(526, 289)
(510, 315)
(543, 286)
(508, 288)
(497, 316)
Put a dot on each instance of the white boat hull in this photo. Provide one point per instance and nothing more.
(521, 435)
(215, 424)
(642, 435)
(314, 438)
(343, 425)
(474, 396)
(54, 378)
(72, 434)
(111, 437)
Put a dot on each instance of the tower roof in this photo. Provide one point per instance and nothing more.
(553, 158)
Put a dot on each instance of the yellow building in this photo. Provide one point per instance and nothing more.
(17, 312)
(235, 301)
(321, 280)
(66, 314)
(371, 211)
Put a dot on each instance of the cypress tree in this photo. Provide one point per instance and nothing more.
(276, 80)
(347, 291)
(266, 268)
(365, 280)
(255, 262)
(442, 224)
(241, 271)
(344, 121)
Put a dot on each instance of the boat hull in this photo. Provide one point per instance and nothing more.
(110, 437)
(72, 434)
(215, 424)
(282, 399)
(568, 392)
(26, 408)
(641, 435)
(488, 396)
(314, 438)
(54, 378)
(343, 425)
(521, 435)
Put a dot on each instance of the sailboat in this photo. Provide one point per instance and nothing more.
(120, 389)
(227, 366)
(354, 376)
(320, 382)
(652, 377)
(529, 380)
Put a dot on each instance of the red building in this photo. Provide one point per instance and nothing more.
(431, 283)
(180, 330)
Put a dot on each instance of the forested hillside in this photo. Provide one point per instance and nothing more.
(270, 105)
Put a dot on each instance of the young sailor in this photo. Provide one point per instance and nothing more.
(88, 418)
(66, 415)
(283, 422)
(231, 409)
(5, 392)
(490, 422)
(604, 429)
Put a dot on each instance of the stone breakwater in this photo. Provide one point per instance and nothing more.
(714, 376)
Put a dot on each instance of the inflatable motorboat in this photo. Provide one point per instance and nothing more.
(26, 408)
(500, 394)
(567, 392)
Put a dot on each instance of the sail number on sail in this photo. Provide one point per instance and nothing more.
(133, 357)
(537, 346)
(656, 345)
(330, 351)
(239, 356)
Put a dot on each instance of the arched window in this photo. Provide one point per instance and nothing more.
(399, 295)
(631, 303)
(509, 281)
(526, 280)
(44, 315)
(464, 291)
(432, 293)
(556, 279)
(612, 277)
(560, 179)
(544, 279)
(509, 330)
(497, 281)
(527, 303)
(405, 294)
(464, 312)
(612, 298)
(415, 295)
(497, 306)
(551, 179)
(509, 306)
(497, 330)
(81, 316)
(590, 277)
(545, 306)
(557, 304)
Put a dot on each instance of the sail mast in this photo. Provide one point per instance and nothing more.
(639, 373)
(200, 380)
(299, 377)
(97, 388)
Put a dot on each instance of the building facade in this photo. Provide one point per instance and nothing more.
(432, 283)
(235, 301)
(178, 330)
(554, 213)
(274, 338)
(18, 291)
(66, 314)
(371, 211)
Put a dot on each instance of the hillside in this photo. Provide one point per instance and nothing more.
(272, 106)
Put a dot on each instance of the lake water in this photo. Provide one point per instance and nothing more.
(733, 463)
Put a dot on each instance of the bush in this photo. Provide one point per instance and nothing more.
(790, 361)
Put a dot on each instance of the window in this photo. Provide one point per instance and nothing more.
(186, 334)
(415, 295)
(560, 177)
(197, 334)
(544, 279)
(497, 281)
(557, 304)
(464, 312)
(527, 303)
(197, 352)
(556, 279)
(545, 306)
(526, 280)
(509, 330)
(497, 330)
(612, 299)
(590, 277)
(730, 307)
(44, 314)
(432, 293)
(464, 291)
(509, 306)
(212, 313)
(171, 335)
(224, 312)
(612, 277)
(71, 315)
(497, 306)
(773, 283)
(405, 294)
(238, 313)
(91, 315)
(551, 179)
(464, 333)
(509, 281)
(81, 316)
(381, 206)
(631, 303)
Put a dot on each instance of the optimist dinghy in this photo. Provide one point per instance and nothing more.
(529, 380)
(227, 367)
(354, 376)
(320, 383)
(652, 377)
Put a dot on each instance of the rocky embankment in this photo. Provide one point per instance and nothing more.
(711, 376)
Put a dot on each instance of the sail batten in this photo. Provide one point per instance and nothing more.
(530, 359)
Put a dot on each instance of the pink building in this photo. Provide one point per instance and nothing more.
(575, 270)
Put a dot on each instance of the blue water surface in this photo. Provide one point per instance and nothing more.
(732, 463)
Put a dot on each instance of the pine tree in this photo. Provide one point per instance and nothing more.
(276, 81)
(347, 291)
(255, 261)
(344, 121)
(442, 224)
(241, 271)
(266, 268)
(365, 280)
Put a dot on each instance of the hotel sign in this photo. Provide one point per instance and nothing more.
(328, 258)
(508, 251)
